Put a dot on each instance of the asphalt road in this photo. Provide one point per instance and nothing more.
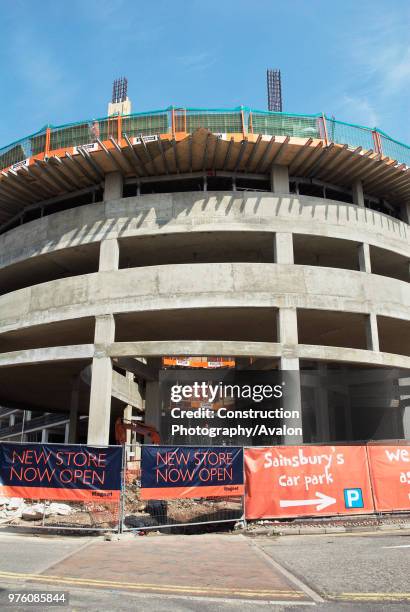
(212, 572)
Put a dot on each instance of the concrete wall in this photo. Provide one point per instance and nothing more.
(204, 286)
(283, 287)
(199, 211)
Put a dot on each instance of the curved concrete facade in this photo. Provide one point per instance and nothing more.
(193, 286)
(255, 274)
(176, 213)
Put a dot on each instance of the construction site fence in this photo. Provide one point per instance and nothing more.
(56, 515)
(159, 514)
(30, 469)
(131, 513)
(172, 120)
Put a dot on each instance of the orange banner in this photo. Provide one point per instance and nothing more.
(59, 494)
(190, 492)
(390, 473)
(290, 481)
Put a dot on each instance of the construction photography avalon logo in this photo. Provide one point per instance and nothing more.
(205, 306)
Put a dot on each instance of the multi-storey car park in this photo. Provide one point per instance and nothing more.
(279, 240)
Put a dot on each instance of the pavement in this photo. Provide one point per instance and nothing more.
(211, 572)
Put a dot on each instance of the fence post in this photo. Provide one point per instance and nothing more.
(325, 133)
(173, 122)
(377, 141)
(47, 146)
(243, 123)
(122, 492)
(250, 122)
(369, 471)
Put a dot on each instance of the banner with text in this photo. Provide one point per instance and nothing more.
(60, 472)
(290, 481)
(169, 472)
(390, 472)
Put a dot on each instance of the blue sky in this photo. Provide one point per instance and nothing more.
(347, 58)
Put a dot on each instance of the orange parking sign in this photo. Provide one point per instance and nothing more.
(290, 481)
(390, 474)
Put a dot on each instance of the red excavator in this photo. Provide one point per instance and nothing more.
(122, 426)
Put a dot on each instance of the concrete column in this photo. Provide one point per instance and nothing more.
(406, 422)
(288, 327)
(287, 331)
(113, 186)
(404, 388)
(365, 264)
(72, 425)
(66, 433)
(44, 436)
(12, 420)
(372, 333)
(109, 255)
(279, 179)
(283, 248)
(357, 192)
(104, 329)
(127, 414)
(101, 383)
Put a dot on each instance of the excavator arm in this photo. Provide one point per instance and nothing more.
(121, 428)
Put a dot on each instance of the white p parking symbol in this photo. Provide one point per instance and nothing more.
(353, 498)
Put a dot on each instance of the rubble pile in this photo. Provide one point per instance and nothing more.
(12, 508)
(143, 513)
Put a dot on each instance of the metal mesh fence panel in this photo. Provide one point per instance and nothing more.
(354, 136)
(22, 149)
(154, 514)
(395, 150)
(37, 144)
(285, 125)
(108, 128)
(215, 121)
(60, 486)
(74, 135)
(59, 515)
(12, 155)
(145, 125)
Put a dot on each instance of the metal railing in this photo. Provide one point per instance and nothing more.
(34, 423)
(172, 120)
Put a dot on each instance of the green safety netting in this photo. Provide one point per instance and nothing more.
(215, 121)
(22, 149)
(279, 124)
(235, 120)
(395, 150)
(352, 135)
(145, 125)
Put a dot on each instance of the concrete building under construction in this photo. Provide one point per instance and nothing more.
(264, 240)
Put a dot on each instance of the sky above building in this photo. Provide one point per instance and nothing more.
(348, 59)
